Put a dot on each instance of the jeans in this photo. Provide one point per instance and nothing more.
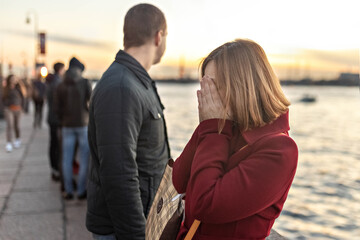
(104, 237)
(69, 138)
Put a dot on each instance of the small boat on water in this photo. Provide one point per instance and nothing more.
(308, 98)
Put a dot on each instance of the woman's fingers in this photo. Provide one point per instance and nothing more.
(212, 87)
(215, 97)
(210, 104)
(207, 91)
(203, 93)
(201, 106)
(202, 83)
(199, 98)
(215, 94)
(206, 85)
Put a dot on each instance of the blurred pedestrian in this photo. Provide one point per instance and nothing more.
(38, 95)
(52, 82)
(28, 96)
(71, 102)
(13, 99)
(127, 132)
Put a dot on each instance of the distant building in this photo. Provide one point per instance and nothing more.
(344, 79)
(349, 76)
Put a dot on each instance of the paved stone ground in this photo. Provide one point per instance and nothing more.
(31, 206)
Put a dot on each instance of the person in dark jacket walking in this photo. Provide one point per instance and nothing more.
(127, 132)
(38, 95)
(71, 103)
(52, 81)
(13, 99)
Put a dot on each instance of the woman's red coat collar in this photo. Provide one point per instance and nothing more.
(280, 125)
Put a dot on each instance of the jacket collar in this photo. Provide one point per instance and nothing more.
(135, 67)
(280, 125)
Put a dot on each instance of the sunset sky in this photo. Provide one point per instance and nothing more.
(316, 38)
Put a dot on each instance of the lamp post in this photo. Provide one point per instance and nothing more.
(36, 32)
(1, 61)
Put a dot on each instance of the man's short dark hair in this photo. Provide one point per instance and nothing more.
(58, 66)
(141, 24)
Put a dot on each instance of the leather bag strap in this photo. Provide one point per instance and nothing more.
(192, 230)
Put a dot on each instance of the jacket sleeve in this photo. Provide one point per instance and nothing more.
(255, 184)
(182, 165)
(118, 118)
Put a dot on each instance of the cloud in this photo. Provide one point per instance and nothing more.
(64, 39)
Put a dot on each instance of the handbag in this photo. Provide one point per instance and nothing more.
(167, 211)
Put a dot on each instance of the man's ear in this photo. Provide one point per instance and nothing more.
(158, 37)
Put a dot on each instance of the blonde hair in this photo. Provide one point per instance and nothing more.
(252, 90)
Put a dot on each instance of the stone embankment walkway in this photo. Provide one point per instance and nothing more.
(31, 206)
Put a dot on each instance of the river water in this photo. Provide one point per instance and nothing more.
(324, 201)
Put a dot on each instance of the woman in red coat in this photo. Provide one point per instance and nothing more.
(240, 162)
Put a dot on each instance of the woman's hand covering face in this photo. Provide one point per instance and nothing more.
(210, 103)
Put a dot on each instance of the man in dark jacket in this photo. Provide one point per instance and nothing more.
(127, 132)
(71, 102)
(52, 81)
